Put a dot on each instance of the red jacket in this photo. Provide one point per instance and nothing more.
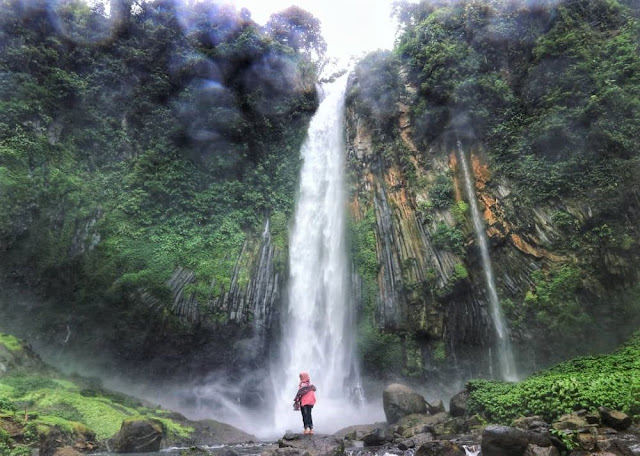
(308, 397)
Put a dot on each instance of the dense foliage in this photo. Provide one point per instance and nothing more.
(588, 383)
(553, 90)
(160, 137)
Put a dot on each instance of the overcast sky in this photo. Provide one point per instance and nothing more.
(349, 26)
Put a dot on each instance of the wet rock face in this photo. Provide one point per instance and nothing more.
(138, 436)
(504, 441)
(307, 445)
(58, 442)
(458, 403)
(399, 401)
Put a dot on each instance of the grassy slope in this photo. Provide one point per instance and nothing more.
(38, 397)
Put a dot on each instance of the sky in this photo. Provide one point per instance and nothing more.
(350, 27)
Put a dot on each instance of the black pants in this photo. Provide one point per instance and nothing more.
(306, 416)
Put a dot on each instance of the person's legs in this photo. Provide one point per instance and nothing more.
(309, 419)
(306, 416)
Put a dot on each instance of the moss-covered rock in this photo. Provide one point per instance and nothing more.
(16, 356)
(138, 435)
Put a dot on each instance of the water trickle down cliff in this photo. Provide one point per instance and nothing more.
(504, 353)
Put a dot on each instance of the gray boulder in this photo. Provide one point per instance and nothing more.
(307, 445)
(436, 407)
(504, 441)
(137, 436)
(378, 436)
(458, 404)
(400, 400)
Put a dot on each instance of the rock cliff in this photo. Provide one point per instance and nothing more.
(428, 291)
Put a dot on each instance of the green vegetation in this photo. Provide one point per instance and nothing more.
(66, 404)
(34, 398)
(450, 238)
(377, 90)
(553, 90)
(10, 342)
(441, 192)
(582, 383)
(132, 145)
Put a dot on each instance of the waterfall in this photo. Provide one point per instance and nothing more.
(318, 333)
(504, 352)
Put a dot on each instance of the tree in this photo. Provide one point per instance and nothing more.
(298, 29)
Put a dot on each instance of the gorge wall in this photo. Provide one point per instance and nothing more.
(564, 260)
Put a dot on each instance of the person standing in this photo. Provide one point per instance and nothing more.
(305, 400)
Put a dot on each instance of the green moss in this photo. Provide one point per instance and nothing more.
(10, 342)
(175, 429)
(45, 422)
(98, 413)
(439, 353)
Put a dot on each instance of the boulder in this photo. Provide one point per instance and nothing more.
(307, 445)
(418, 424)
(435, 408)
(504, 441)
(53, 440)
(535, 450)
(530, 423)
(400, 400)
(378, 436)
(571, 423)
(440, 448)
(17, 356)
(137, 435)
(207, 432)
(458, 404)
(416, 441)
(612, 418)
(67, 451)
(356, 432)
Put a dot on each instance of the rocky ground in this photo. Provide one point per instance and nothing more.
(417, 428)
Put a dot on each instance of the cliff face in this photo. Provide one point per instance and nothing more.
(430, 289)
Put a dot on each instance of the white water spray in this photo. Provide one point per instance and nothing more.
(505, 354)
(318, 333)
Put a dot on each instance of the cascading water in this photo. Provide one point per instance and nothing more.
(318, 333)
(505, 354)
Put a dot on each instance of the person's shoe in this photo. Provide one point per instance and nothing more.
(310, 430)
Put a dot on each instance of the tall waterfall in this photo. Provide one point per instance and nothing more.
(504, 352)
(318, 333)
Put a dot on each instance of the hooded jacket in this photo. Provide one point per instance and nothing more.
(306, 391)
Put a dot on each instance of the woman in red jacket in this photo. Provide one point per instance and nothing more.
(305, 400)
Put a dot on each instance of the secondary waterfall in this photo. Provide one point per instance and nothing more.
(318, 333)
(505, 354)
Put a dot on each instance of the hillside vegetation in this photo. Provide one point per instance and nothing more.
(131, 145)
